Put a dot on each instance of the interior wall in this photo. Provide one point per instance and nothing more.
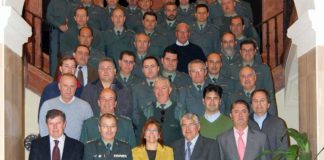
(13, 106)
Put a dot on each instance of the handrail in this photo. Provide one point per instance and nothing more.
(271, 45)
(34, 53)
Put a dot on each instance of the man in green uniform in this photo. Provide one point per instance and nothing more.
(248, 79)
(107, 104)
(166, 111)
(169, 22)
(59, 12)
(158, 40)
(203, 32)
(141, 43)
(186, 12)
(133, 15)
(86, 38)
(96, 14)
(143, 92)
(191, 95)
(126, 66)
(69, 39)
(109, 9)
(118, 38)
(107, 146)
(248, 53)
(213, 122)
(169, 62)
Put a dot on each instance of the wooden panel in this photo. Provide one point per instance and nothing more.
(37, 79)
(307, 97)
(14, 111)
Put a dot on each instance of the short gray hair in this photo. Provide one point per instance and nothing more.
(190, 116)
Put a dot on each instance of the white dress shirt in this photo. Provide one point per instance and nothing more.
(60, 144)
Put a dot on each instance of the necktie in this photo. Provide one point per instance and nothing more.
(188, 151)
(215, 80)
(240, 145)
(170, 78)
(151, 84)
(149, 34)
(56, 151)
(248, 94)
(80, 75)
(118, 33)
(108, 149)
(199, 87)
(125, 80)
(201, 27)
(162, 113)
(184, 10)
(170, 24)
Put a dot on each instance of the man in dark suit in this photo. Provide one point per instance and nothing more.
(271, 125)
(107, 79)
(241, 142)
(56, 146)
(107, 147)
(193, 146)
(84, 72)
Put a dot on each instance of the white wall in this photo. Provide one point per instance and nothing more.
(31, 112)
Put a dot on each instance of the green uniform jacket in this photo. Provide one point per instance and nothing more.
(208, 38)
(115, 44)
(125, 132)
(96, 150)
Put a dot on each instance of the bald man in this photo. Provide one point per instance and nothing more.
(187, 51)
(248, 79)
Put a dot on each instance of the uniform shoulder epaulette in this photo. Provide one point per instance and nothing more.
(130, 31)
(122, 141)
(124, 117)
(90, 141)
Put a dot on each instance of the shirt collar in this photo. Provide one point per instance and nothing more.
(73, 98)
(122, 76)
(250, 64)
(244, 131)
(193, 141)
(183, 7)
(111, 143)
(180, 44)
(211, 76)
(245, 91)
(259, 119)
(121, 30)
(213, 117)
(167, 104)
(61, 139)
(167, 74)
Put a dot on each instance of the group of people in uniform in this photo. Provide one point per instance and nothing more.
(185, 83)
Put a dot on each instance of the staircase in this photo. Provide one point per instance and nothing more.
(274, 49)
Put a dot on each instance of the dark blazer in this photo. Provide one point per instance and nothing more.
(275, 129)
(92, 74)
(204, 149)
(256, 143)
(40, 149)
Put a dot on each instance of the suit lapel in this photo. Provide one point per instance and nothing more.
(249, 145)
(197, 148)
(182, 149)
(232, 145)
(46, 148)
(67, 149)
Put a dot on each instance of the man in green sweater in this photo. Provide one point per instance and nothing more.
(213, 123)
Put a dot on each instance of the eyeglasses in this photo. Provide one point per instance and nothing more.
(152, 131)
